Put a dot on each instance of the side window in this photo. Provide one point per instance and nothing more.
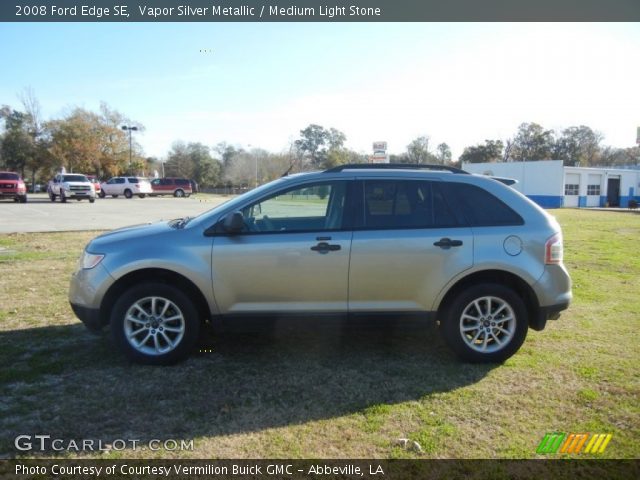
(119, 180)
(311, 207)
(155, 182)
(400, 204)
(111, 181)
(481, 208)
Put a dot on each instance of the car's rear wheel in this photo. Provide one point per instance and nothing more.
(63, 198)
(485, 323)
(155, 324)
(101, 194)
(127, 193)
(179, 193)
(52, 197)
(23, 199)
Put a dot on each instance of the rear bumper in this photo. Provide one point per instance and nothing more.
(551, 312)
(89, 316)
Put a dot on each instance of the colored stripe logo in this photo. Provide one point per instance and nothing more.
(573, 443)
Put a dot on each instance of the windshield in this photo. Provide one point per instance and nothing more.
(9, 176)
(74, 178)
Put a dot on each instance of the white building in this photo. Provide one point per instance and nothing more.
(551, 185)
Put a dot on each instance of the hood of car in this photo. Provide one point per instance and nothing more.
(127, 235)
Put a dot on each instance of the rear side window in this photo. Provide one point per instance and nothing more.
(481, 208)
(182, 181)
(134, 180)
(401, 204)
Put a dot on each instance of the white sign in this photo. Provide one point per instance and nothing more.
(379, 146)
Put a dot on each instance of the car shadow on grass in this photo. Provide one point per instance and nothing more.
(64, 382)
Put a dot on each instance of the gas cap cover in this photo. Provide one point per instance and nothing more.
(513, 245)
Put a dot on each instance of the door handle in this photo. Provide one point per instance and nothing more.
(447, 243)
(324, 247)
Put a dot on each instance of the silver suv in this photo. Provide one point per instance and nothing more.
(426, 241)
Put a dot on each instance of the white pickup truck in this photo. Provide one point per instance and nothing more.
(71, 185)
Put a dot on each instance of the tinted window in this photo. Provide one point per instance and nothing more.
(481, 208)
(134, 180)
(405, 204)
(9, 176)
(182, 181)
(74, 178)
(309, 208)
(119, 180)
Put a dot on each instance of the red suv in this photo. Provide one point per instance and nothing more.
(12, 186)
(178, 187)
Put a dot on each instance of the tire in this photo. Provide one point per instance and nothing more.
(92, 200)
(127, 193)
(179, 193)
(501, 316)
(128, 325)
(141, 195)
(23, 199)
(52, 196)
(101, 194)
(63, 199)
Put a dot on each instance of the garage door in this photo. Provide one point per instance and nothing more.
(593, 189)
(571, 189)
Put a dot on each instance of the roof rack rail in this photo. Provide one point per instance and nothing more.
(394, 166)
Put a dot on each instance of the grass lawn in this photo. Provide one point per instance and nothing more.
(313, 393)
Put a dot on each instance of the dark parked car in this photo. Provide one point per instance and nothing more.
(178, 187)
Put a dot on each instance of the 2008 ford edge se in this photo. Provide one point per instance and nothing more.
(431, 241)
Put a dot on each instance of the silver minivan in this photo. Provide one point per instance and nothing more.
(431, 242)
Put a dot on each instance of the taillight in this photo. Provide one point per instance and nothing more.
(553, 250)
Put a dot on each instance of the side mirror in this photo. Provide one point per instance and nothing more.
(233, 223)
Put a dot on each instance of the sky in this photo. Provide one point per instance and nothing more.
(258, 84)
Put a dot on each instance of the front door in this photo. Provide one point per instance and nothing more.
(613, 192)
(293, 255)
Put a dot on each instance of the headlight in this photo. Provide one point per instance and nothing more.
(89, 260)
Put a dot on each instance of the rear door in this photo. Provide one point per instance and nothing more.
(407, 245)
(293, 255)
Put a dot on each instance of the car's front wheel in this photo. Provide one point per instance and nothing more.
(485, 323)
(155, 323)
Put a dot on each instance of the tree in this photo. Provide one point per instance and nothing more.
(17, 146)
(85, 141)
(320, 146)
(443, 154)
(579, 146)
(194, 161)
(418, 151)
(490, 151)
(532, 142)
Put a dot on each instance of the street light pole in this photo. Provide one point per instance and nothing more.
(129, 128)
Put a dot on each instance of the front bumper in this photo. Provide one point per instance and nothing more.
(89, 316)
